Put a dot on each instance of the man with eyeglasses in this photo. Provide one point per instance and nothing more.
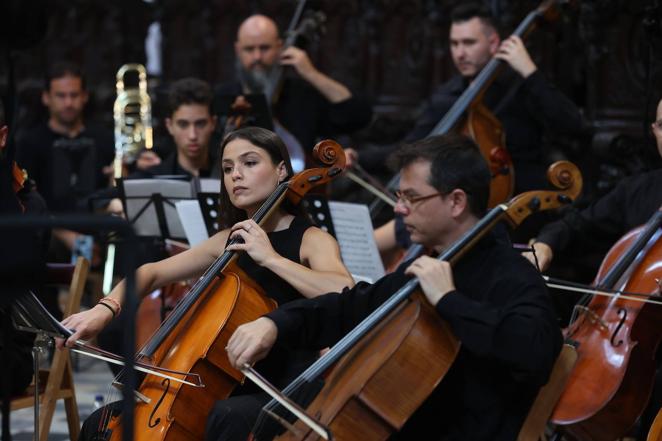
(495, 303)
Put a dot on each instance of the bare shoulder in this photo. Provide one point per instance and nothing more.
(316, 242)
(317, 237)
(216, 243)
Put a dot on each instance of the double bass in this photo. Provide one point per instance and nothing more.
(470, 116)
(617, 339)
(192, 340)
(371, 381)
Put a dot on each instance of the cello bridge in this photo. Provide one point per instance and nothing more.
(592, 317)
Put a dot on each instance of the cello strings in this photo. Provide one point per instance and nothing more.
(282, 399)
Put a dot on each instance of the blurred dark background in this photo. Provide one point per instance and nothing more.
(604, 54)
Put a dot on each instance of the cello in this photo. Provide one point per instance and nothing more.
(192, 340)
(655, 434)
(616, 341)
(470, 116)
(383, 370)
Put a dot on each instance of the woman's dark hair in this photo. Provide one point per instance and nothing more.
(274, 146)
(455, 162)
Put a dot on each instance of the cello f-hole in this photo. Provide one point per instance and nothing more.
(166, 384)
(622, 313)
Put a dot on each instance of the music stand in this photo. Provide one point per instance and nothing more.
(149, 205)
(209, 204)
(317, 208)
(29, 314)
(259, 116)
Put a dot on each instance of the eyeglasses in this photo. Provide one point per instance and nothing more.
(657, 124)
(409, 201)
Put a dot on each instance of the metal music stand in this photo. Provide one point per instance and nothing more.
(209, 205)
(154, 215)
(316, 207)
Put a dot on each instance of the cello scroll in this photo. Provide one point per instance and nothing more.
(565, 176)
(331, 156)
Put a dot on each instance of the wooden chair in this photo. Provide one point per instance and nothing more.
(534, 425)
(57, 383)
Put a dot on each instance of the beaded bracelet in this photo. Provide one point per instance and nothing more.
(107, 306)
(116, 304)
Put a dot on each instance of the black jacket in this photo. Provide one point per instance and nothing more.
(630, 204)
(525, 108)
(308, 115)
(500, 312)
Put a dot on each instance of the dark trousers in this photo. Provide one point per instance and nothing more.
(233, 419)
(229, 420)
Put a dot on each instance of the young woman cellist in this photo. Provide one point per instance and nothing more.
(288, 257)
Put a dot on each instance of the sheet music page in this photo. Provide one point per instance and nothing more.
(190, 215)
(210, 185)
(29, 314)
(354, 232)
(138, 192)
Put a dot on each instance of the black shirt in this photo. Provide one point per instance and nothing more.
(170, 166)
(630, 204)
(167, 167)
(65, 169)
(308, 115)
(525, 108)
(500, 312)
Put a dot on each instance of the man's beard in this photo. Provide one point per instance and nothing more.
(255, 80)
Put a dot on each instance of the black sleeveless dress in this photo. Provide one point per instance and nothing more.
(282, 365)
(233, 418)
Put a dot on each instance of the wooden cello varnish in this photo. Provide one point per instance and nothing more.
(194, 336)
(616, 340)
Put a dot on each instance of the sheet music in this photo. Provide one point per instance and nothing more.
(138, 192)
(210, 185)
(354, 233)
(190, 215)
(29, 314)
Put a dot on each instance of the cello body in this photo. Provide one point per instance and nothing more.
(371, 393)
(179, 412)
(484, 128)
(382, 371)
(655, 433)
(617, 341)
